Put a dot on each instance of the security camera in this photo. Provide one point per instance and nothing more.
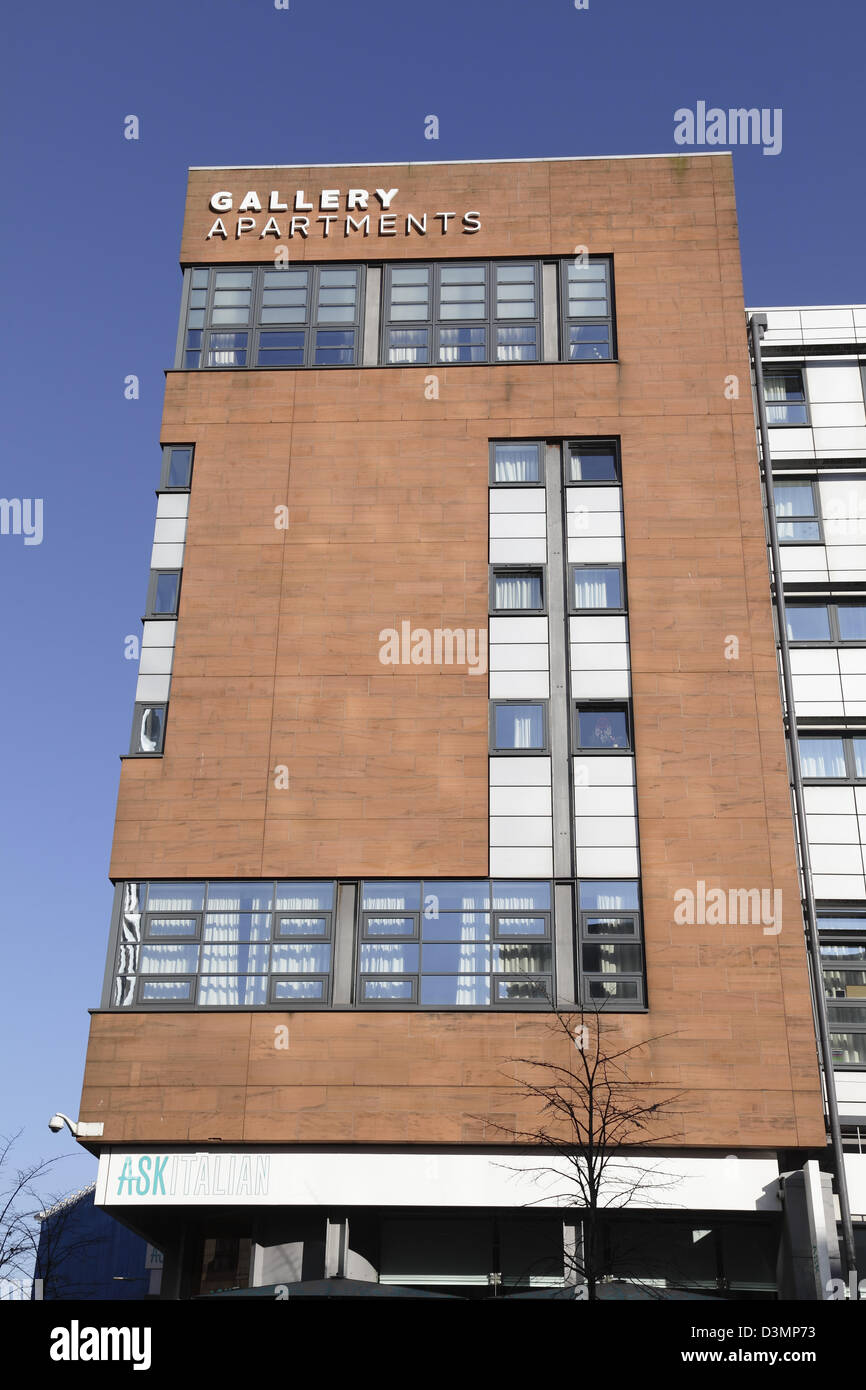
(55, 1123)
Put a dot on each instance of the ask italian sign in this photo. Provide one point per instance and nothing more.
(130, 1179)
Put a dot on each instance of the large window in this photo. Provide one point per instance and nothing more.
(833, 623)
(299, 316)
(785, 397)
(830, 757)
(798, 517)
(462, 312)
(455, 944)
(611, 954)
(843, 962)
(518, 726)
(596, 586)
(516, 589)
(587, 315)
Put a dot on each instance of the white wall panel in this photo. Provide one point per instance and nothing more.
(530, 801)
(852, 661)
(152, 688)
(600, 685)
(529, 831)
(518, 630)
(604, 772)
(830, 830)
(600, 550)
(172, 504)
(169, 531)
(602, 656)
(156, 661)
(597, 630)
(592, 499)
(604, 801)
(517, 656)
(814, 661)
(166, 557)
(518, 551)
(517, 499)
(607, 863)
(833, 381)
(519, 685)
(791, 443)
(836, 859)
(508, 524)
(159, 634)
(810, 560)
(846, 442)
(600, 831)
(520, 772)
(839, 886)
(511, 862)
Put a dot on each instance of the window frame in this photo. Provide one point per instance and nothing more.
(585, 320)
(497, 443)
(841, 936)
(165, 472)
(137, 712)
(587, 977)
(434, 323)
(504, 570)
(592, 444)
(772, 369)
(816, 516)
(835, 639)
(172, 940)
(621, 706)
(153, 582)
(619, 565)
(847, 740)
(535, 752)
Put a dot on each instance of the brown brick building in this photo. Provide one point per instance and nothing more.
(458, 698)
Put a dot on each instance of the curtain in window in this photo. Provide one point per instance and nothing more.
(517, 591)
(822, 757)
(525, 728)
(775, 388)
(596, 588)
(516, 463)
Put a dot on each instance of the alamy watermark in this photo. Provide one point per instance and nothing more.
(736, 126)
(419, 646)
(745, 907)
(22, 516)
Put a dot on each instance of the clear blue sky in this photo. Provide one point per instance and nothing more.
(91, 226)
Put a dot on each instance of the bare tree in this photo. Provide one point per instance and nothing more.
(42, 1235)
(591, 1108)
(19, 1203)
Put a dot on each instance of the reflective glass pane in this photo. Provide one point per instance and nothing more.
(516, 345)
(387, 989)
(462, 345)
(590, 465)
(456, 926)
(178, 897)
(595, 270)
(389, 926)
(150, 730)
(608, 925)
(860, 756)
(166, 991)
(286, 279)
(227, 350)
(521, 926)
(179, 467)
(518, 895)
(604, 956)
(794, 499)
(299, 990)
(597, 588)
(467, 991)
(237, 926)
(240, 897)
(295, 957)
(522, 991)
(798, 531)
(602, 728)
(523, 958)
(389, 958)
(302, 926)
(588, 342)
(852, 622)
(330, 278)
(172, 926)
(392, 894)
(303, 896)
(601, 990)
(849, 1049)
(410, 275)
(233, 279)
(232, 991)
(822, 757)
(239, 958)
(221, 316)
(408, 345)
(519, 726)
(517, 590)
(607, 895)
(165, 593)
(808, 623)
(169, 960)
(516, 463)
(463, 274)
(199, 279)
(455, 895)
(459, 958)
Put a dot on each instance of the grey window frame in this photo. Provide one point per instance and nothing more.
(137, 711)
(498, 483)
(534, 752)
(255, 327)
(832, 605)
(620, 705)
(142, 980)
(434, 322)
(841, 936)
(587, 320)
(587, 977)
(147, 917)
(592, 444)
(793, 481)
(153, 581)
(773, 368)
(847, 740)
(572, 566)
(165, 473)
(498, 570)
(274, 980)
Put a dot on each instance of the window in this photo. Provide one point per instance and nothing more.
(601, 728)
(611, 953)
(226, 945)
(148, 728)
(798, 517)
(596, 586)
(298, 316)
(826, 622)
(163, 593)
(516, 463)
(176, 468)
(442, 944)
(586, 311)
(832, 757)
(591, 461)
(843, 961)
(516, 590)
(518, 726)
(462, 312)
(785, 397)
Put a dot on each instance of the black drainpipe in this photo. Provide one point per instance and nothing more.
(757, 326)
